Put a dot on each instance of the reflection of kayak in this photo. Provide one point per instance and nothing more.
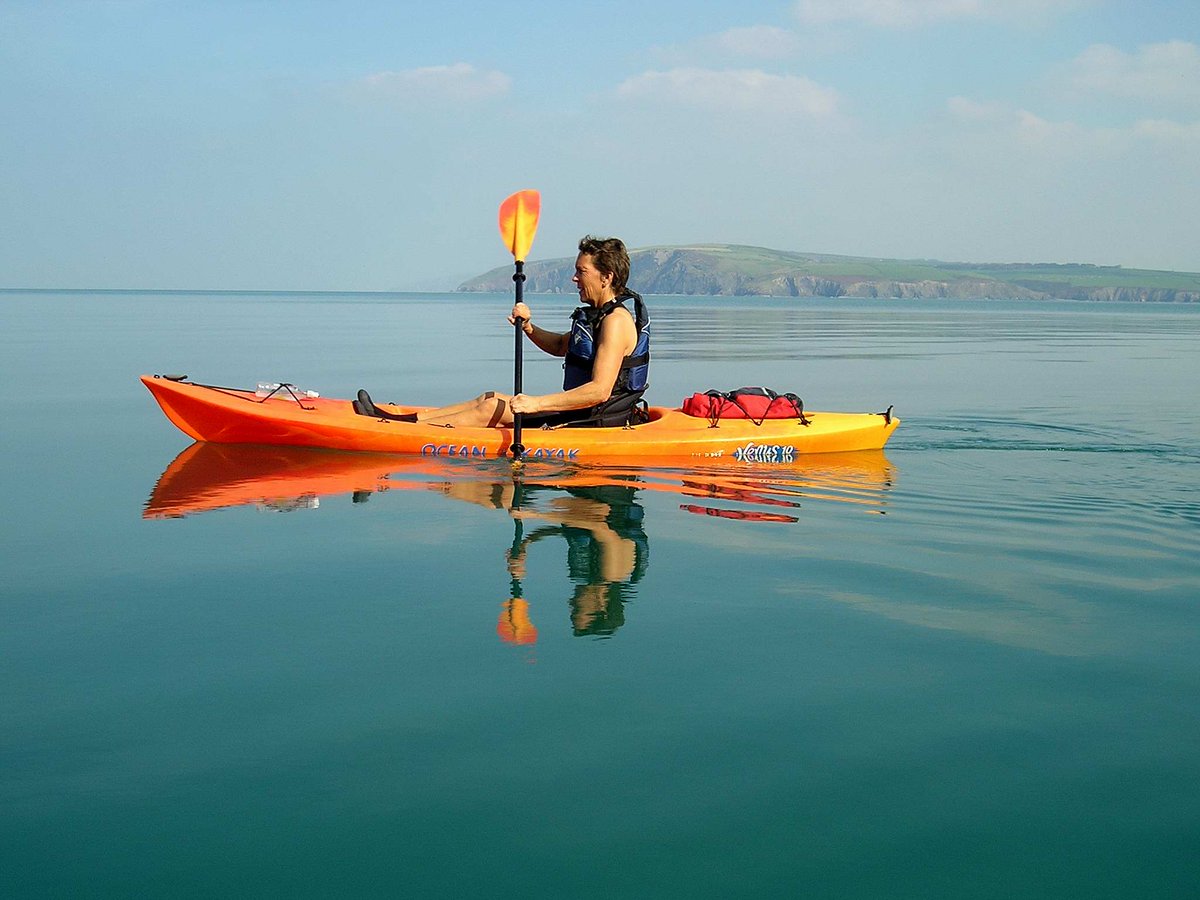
(226, 415)
(208, 476)
(215, 476)
(739, 514)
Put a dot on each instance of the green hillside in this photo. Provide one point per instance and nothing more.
(732, 270)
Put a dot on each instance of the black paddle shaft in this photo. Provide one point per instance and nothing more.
(518, 449)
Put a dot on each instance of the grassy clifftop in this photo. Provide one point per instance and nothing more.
(731, 270)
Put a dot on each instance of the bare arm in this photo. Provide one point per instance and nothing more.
(549, 341)
(617, 338)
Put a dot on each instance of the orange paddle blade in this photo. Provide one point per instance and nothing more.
(514, 626)
(519, 221)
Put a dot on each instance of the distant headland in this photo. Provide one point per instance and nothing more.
(736, 271)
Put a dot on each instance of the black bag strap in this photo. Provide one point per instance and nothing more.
(716, 404)
(732, 396)
(798, 406)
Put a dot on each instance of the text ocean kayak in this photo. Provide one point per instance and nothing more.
(233, 416)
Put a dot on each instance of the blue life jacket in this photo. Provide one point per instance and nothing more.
(633, 379)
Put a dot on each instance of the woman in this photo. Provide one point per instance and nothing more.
(607, 353)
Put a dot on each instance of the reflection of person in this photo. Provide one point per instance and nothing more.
(607, 352)
(607, 551)
(607, 547)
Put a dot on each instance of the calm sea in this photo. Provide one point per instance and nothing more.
(966, 667)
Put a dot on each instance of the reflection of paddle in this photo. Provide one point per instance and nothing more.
(518, 224)
(515, 626)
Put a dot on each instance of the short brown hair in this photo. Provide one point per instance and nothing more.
(610, 258)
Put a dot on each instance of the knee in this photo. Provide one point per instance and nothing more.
(491, 408)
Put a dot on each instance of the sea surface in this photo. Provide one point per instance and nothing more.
(967, 666)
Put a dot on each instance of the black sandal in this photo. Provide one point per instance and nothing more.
(365, 407)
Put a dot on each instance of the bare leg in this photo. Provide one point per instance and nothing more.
(489, 410)
(442, 411)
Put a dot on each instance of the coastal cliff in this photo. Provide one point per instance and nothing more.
(736, 271)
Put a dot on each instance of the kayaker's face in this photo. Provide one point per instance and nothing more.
(594, 288)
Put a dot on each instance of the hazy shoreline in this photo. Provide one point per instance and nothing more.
(737, 271)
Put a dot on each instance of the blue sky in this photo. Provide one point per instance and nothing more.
(366, 145)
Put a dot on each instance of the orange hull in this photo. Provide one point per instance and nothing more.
(207, 476)
(216, 476)
(225, 415)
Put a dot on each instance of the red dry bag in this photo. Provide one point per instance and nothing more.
(754, 403)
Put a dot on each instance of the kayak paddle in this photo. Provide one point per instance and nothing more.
(518, 224)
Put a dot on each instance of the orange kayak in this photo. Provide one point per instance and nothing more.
(233, 416)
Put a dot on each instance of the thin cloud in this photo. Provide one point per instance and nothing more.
(1166, 132)
(738, 90)
(914, 13)
(1027, 127)
(1157, 73)
(965, 109)
(460, 82)
(734, 46)
(1032, 130)
(756, 41)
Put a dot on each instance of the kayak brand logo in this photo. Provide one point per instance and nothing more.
(465, 451)
(765, 453)
(552, 453)
(454, 450)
